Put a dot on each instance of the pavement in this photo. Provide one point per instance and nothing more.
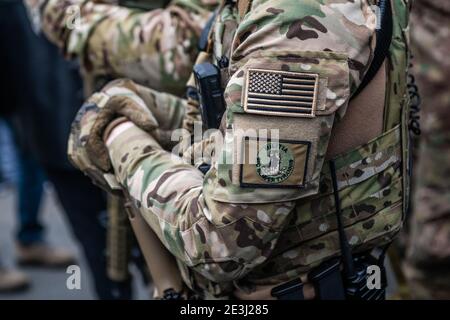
(48, 284)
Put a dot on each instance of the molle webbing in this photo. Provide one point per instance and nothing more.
(397, 99)
(370, 189)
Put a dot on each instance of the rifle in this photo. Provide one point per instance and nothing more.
(118, 240)
(161, 263)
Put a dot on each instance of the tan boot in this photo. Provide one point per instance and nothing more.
(43, 255)
(13, 281)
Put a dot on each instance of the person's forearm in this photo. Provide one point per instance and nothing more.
(174, 199)
(68, 23)
(156, 48)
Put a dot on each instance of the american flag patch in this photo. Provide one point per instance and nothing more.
(281, 93)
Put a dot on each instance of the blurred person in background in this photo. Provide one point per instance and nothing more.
(8, 160)
(154, 46)
(44, 93)
(10, 279)
(29, 179)
(20, 166)
(427, 265)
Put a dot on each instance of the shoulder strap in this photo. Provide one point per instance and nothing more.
(384, 38)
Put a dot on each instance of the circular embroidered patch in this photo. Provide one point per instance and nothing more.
(275, 162)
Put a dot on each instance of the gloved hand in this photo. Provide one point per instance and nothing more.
(86, 149)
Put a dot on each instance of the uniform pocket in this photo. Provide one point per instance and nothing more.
(281, 107)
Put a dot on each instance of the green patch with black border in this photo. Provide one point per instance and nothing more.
(274, 164)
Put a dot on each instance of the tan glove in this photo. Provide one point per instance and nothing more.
(86, 148)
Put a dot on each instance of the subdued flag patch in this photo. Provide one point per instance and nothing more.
(281, 93)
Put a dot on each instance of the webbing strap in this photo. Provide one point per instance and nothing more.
(384, 38)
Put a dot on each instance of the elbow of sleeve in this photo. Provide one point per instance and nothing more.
(221, 271)
(232, 239)
(229, 252)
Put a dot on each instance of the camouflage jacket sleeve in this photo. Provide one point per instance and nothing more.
(155, 48)
(226, 222)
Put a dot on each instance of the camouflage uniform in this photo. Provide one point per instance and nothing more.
(155, 48)
(244, 226)
(428, 267)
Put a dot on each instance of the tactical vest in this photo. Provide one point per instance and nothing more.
(373, 178)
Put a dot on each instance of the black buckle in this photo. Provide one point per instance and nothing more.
(292, 290)
(204, 167)
(327, 280)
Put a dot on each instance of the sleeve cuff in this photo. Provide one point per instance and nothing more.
(108, 136)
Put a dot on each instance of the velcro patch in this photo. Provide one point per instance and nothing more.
(281, 93)
(274, 164)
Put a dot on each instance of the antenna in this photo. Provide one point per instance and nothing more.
(347, 258)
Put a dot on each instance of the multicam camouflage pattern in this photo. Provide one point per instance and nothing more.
(428, 257)
(155, 112)
(370, 190)
(333, 70)
(155, 48)
(226, 244)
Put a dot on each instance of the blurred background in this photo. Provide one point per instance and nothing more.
(49, 283)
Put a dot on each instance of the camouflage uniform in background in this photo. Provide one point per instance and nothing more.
(241, 229)
(428, 256)
(156, 48)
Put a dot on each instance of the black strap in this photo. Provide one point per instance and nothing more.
(384, 38)
(204, 37)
